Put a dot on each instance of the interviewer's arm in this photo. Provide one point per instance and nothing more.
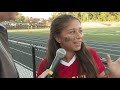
(44, 74)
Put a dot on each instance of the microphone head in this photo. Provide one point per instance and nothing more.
(61, 52)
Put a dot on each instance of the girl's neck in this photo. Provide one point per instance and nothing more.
(69, 55)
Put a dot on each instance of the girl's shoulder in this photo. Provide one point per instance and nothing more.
(44, 61)
(92, 50)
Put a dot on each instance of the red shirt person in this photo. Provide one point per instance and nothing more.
(71, 69)
(79, 61)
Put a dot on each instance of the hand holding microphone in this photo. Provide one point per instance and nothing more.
(60, 53)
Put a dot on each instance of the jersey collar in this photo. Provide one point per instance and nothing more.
(68, 63)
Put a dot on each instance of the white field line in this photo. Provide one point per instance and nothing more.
(110, 54)
(23, 65)
(102, 43)
(40, 41)
(107, 49)
(33, 40)
(22, 43)
(25, 53)
(104, 46)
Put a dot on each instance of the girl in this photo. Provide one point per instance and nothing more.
(80, 61)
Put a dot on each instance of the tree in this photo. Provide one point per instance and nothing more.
(20, 18)
(91, 16)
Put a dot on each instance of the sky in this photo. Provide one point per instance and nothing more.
(44, 15)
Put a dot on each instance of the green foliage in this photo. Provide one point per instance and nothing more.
(20, 18)
(92, 16)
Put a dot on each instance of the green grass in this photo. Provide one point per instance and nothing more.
(31, 33)
(103, 34)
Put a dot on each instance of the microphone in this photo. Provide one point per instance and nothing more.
(60, 53)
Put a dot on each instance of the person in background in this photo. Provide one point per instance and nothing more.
(7, 65)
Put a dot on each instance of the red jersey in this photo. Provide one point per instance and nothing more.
(71, 69)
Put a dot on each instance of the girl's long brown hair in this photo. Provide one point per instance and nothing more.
(84, 57)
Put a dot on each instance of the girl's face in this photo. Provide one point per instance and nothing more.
(71, 37)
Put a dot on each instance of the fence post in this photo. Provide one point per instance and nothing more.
(33, 59)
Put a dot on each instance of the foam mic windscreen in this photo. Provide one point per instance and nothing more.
(60, 53)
